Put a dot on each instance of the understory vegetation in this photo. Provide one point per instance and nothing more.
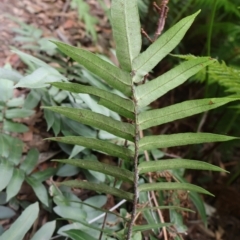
(126, 136)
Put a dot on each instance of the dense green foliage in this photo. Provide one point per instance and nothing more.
(107, 111)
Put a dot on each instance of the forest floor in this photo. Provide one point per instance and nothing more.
(56, 18)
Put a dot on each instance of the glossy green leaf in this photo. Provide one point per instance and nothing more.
(15, 127)
(180, 139)
(111, 74)
(45, 232)
(159, 86)
(100, 145)
(18, 113)
(39, 189)
(120, 105)
(99, 187)
(76, 234)
(19, 228)
(6, 172)
(6, 212)
(150, 226)
(172, 186)
(162, 165)
(115, 171)
(120, 129)
(30, 162)
(180, 110)
(126, 31)
(147, 60)
(15, 183)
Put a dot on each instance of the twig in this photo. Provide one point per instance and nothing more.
(146, 35)
(163, 11)
(111, 209)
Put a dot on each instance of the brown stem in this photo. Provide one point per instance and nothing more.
(163, 11)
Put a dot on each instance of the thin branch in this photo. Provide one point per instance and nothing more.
(111, 209)
(163, 11)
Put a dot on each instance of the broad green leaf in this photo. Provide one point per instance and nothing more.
(100, 145)
(16, 102)
(5, 143)
(123, 106)
(6, 172)
(15, 183)
(32, 99)
(18, 113)
(172, 186)
(157, 87)
(70, 212)
(150, 226)
(30, 162)
(50, 119)
(41, 176)
(99, 187)
(115, 171)
(40, 78)
(15, 127)
(10, 74)
(76, 234)
(39, 189)
(162, 165)
(111, 74)
(15, 150)
(180, 110)
(67, 171)
(147, 60)
(121, 129)
(6, 90)
(45, 232)
(6, 212)
(19, 228)
(180, 139)
(126, 31)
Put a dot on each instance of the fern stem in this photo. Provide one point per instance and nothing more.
(136, 174)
